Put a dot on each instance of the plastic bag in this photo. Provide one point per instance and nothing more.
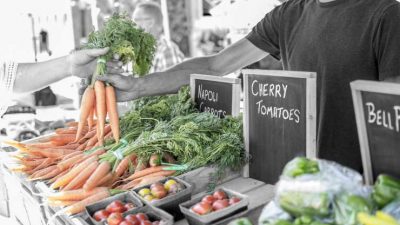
(271, 214)
(310, 192)
(347, 206)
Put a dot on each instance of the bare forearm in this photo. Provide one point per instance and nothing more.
(34, 76)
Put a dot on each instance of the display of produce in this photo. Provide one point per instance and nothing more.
(157, 130)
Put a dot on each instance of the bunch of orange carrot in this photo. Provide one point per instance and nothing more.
(98, 101)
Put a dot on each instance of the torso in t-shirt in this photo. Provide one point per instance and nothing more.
(343, 41)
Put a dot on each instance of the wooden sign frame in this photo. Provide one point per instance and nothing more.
(375, 87)
(236, 88)
(311, 125)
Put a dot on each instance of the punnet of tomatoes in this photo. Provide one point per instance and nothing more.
(213, 207)
(100, 211)
(131, 219)
(214, 202)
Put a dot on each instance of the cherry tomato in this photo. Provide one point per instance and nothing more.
(101, 215)
(125, 222)
(202, 208)
(219, 195)
(142, 217)
(115, 218)
(234, 200)
(209, 199)
(220, 204)
(133, 219)
(146, 222)
(129, 206)
(116, 206)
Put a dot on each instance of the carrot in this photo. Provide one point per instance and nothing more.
(47, 173)
(105, 179)
(74, 195)
(64, 180)
(81, 178)
(42, 172)
(52, 153)
(63, 138)
(70, 155)
(60, 203)
(145, 172)
(67, 130)
(82, 146)
(111, 104)
(86, 106)
(80, 206)
(46, 163)
(91, 133)
(58, 176)
(41, 145)
(92, 141)
(131, 184)
(90, 119)
(32, 163)
(89, 147)
(67, 163)
(72, 124)
(149, 180)
(100, 109)
(124, 164)
(99, 173)
(72, 146)
(154, 160)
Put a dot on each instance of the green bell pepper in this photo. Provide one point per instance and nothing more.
(385, 190)
(300, 166)
(309, 204)
(346, 207)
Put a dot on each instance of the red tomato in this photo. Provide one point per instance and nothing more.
(202, 208)
(133, 219)
(116, 206)
(220, 204)
(209, 199)
(219, 195)
(115, 218)
(146, 222)
(142, 217)
(101, 215)
(234, 200)
(129, 206)
(125, 222)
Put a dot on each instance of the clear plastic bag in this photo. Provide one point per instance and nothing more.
(271, 214)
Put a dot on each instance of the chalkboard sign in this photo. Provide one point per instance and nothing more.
(217, 95)
(377, 108)
(279, 120)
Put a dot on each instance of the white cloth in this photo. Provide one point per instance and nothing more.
(8, 72)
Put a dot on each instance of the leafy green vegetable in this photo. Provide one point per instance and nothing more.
(124, 38)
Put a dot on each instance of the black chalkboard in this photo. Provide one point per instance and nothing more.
(377, 108)
(382, 119)
(276, 117)
(216, 95)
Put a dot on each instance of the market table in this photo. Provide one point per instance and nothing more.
(29, 209)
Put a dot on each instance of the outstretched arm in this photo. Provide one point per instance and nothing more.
(236, 56)
(34, 76)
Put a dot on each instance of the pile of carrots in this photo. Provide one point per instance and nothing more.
(80, 176)
(99, 100)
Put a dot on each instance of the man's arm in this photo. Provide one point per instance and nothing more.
(34, 76)
(236, 56)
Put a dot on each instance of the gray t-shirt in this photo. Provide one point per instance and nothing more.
(342, 40)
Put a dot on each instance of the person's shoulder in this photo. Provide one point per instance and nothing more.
(295, 5)
(382, 6)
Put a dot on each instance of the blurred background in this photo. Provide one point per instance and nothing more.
(39, 30)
